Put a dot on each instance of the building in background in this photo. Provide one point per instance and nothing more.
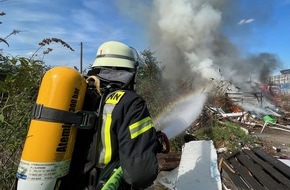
(282, 80)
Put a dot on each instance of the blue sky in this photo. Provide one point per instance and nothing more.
(89, 22)
(251, 26)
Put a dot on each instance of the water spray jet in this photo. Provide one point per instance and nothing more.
(180, 115)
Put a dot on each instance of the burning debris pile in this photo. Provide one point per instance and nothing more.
(241, 134)
(249, 112)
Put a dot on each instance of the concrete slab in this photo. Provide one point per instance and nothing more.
(198, 168)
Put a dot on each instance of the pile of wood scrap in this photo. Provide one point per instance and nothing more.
(274, 121)
(253, 169)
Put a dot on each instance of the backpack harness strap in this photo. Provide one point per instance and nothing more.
(98, 177)
(81, 119)
(91, 166)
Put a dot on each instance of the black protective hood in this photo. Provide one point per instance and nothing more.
(112, 75)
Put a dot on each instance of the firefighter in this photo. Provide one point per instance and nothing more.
(127, 131)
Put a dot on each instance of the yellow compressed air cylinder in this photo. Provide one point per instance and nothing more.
(49, 145)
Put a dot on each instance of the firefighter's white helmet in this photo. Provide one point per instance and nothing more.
(115, 54)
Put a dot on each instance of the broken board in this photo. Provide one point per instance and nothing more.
(253, 169)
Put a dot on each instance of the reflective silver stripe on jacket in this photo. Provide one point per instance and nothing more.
(105, 154)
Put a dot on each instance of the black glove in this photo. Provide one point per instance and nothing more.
(163, 144)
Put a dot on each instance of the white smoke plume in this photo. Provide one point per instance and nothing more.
(190, 38)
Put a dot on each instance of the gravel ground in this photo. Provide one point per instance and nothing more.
(275, 142)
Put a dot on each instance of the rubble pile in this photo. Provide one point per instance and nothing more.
(268, 125)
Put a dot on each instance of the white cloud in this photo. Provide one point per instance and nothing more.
(246, 21)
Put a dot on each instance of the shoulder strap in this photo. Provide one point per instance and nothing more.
(97, 134)
(94, 176)
(90, 166)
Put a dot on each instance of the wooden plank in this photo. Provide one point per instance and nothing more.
(228, 155)
(168, 161)
(231, 179)
(268, 168)
(283, 168)
(168, 166)
(246, 175)
(258, 172)
(169, 155)
(234, 180)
